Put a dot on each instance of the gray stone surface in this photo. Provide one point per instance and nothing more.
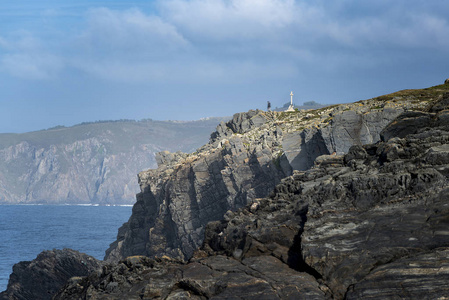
(244, 160)
(371, 224)
(353, 226)
(409, 277)
(215, 277)
(44, 276)
(361, 224)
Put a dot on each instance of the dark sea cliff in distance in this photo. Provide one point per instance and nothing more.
(26, 230)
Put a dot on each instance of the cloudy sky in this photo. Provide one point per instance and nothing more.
(65, 62)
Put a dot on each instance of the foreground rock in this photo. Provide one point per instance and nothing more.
(45, 275)
(244, 160)
(217, 277)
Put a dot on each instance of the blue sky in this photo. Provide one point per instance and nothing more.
(67, 62)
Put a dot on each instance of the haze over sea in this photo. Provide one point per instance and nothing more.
(27, 230)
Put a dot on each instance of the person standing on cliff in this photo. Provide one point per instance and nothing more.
(268, 106)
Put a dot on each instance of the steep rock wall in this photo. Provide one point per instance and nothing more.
(371, 224)
(243, 161)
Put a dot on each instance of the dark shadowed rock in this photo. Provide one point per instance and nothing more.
(409, 277)
(45, 275)
(442, 104)
(244, 160)
(215, 277)
(352, 220)
(368, 224)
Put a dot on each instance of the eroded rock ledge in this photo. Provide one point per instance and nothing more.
(371, 224)
(368, 224)
(244, 160)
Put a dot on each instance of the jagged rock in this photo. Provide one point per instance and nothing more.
(171, 212)
(351, 224)
(407, 278)
(360, 225)
(442, 104)
(215, 277)
(45, 275)
(244, 160)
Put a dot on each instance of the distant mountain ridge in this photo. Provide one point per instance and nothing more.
(92, 162)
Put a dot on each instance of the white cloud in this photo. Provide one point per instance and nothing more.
(208, 40)
(27, 57)
(230, 19)
(32, 66)
(128, 33)
(304, 23)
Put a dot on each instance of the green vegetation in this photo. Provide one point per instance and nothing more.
(427, 94)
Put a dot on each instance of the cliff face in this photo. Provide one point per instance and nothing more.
(370, 224)
(89, 163)
(244, 160)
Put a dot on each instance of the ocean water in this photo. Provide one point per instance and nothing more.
(27, 230)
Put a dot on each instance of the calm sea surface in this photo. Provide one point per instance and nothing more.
(27, 230)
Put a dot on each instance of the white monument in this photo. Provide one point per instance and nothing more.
(290, 108)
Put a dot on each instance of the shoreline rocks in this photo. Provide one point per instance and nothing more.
(48, 273)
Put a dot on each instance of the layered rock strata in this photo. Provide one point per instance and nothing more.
(41, 278)
(244, 160)
(218, 277)
(370, 224)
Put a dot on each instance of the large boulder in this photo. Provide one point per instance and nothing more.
(45, 275)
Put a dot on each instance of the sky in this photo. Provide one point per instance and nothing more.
(65, 62)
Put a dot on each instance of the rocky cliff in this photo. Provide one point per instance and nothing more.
(244, 160)
(89, 163)
(370, 224)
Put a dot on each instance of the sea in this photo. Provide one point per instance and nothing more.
(27, 230)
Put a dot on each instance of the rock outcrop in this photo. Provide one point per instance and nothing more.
(370, 224)
(217, 277)
(44, 276)
(89, 163)
(244, 160)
